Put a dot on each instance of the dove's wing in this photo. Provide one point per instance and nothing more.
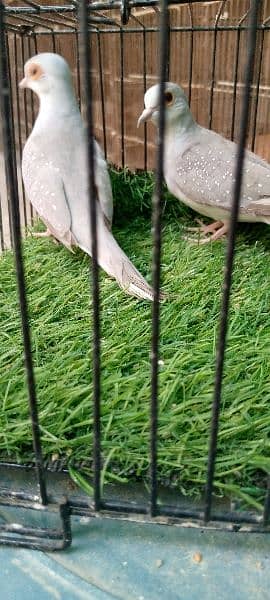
(116, 263)
(204, 173)
(257, 159)
(103, 184)
(45, 190)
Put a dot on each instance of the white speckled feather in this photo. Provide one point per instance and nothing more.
(204, 172)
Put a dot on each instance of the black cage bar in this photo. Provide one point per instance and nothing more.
(84, 21)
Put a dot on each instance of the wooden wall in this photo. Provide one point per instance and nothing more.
(209, 57)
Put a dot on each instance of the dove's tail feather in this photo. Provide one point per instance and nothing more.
(115, 262)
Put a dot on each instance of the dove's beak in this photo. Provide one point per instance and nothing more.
(146, 115)
(23, 83)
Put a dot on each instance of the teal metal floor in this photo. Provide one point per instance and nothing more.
(133, 561)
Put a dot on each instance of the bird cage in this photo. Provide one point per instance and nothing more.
(219, 53)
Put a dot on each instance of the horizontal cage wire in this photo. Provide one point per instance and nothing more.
(219, 53)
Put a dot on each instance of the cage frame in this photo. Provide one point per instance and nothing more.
(151, 510)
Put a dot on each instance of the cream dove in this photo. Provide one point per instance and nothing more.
(54, 168)
(199, 166)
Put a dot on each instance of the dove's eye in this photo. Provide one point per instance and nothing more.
(168, 98)
(35, 71)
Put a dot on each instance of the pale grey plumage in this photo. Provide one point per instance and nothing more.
(199, 164)
(54, 171)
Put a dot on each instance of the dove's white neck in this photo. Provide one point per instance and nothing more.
(182, 125)
(60, 103)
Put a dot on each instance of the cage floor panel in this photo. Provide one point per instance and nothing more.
(130, 561)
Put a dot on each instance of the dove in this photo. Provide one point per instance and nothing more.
(54, 170)
(199, 166)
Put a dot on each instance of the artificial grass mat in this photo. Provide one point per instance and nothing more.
(60, 311)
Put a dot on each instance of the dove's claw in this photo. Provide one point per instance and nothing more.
(211, 228)
(219, 230)
(46, 233)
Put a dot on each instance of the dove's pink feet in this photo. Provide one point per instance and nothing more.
(211, 228)
(218, 230)
(46, 233)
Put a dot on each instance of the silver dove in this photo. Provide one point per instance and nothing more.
(54, 169)
(199, 166)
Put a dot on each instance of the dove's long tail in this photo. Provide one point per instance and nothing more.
(115, 262)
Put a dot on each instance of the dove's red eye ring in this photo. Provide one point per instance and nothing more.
(35, 71)
(168, 98)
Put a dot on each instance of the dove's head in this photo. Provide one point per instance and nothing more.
(175, 101)
(46, 73)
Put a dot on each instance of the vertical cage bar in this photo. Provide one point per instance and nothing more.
(24, 92)
(35, 42)
(86, 64)
(191, 48)
(167, 78)
(102, 95)
(2, 244)
(235, 83)
(12, 131)
(19, 118)
(35, 51)
(257, 92)
(78, 69)
(211, 99)
(2, 240)
(122, 115)
(53, 40)
(144, 90)
(157, 199)
(213, 70)
(34, 36)
(240, 22)
(8, 142)
(32, 95)
(266, 512)
(230, 259)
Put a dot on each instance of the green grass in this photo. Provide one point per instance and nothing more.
(60, 310)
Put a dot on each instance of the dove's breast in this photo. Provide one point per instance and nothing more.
(59, 149)
(183, 172)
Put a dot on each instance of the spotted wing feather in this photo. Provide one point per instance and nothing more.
(206, 174)
(103, 184)
(46, 192)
